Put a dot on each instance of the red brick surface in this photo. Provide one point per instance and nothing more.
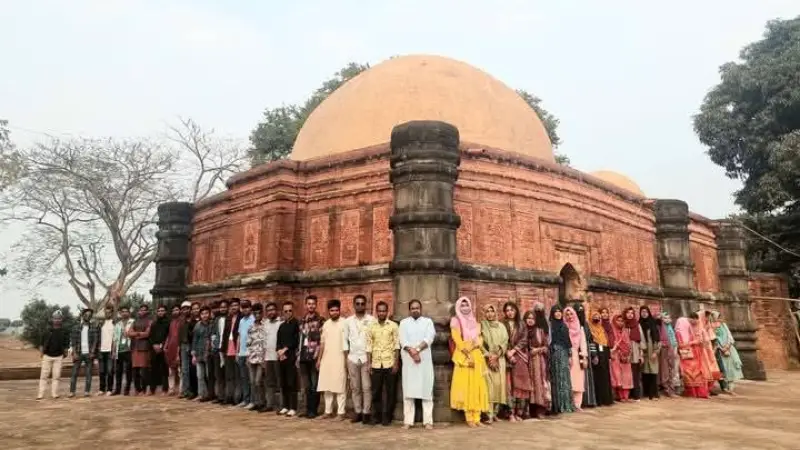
(777, 341)
(319, 215)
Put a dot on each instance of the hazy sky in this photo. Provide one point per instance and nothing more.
(624, 77)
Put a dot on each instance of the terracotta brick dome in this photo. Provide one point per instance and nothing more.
(619, 180)
(364, 110)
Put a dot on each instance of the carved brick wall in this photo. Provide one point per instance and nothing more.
(777, 342)
(703, 249)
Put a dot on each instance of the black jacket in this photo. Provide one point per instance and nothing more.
(159, 331)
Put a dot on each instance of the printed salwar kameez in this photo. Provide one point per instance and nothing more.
(495, 345)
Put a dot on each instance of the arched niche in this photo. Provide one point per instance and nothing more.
(570, 287)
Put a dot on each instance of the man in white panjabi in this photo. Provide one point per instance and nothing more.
(331, 362)
(416, 336)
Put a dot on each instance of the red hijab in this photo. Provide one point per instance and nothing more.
(632, 325)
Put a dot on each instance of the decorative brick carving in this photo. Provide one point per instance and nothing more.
(381, 234)
(349, 237)
(218, 259)
(268, 242)
(464, 233)
(319, 239)
(251, 244)
(199, 266)
(495, 236)
(526, 240)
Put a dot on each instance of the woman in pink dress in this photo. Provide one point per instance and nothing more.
(579, 356)
(690, 352)
(709, 358)
(621, 374)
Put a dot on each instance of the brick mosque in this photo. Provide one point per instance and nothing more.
(425, 177)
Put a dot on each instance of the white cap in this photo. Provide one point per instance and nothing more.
(186, 304)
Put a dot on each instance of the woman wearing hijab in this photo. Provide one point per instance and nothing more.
(468, 391)
(579, 356)
(690, 352)
(669, 365)
(708, 358)
(519, 377)
(560, 375)
(495, 345)
(538, 332)
(621, 349)
(651, 347)
(589, 394)
(635, 333)
(730, 363)
(600, 363)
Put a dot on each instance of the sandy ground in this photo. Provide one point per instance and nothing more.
(763, 416)
(15, 353)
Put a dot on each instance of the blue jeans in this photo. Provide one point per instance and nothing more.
(86, 361)
(202, 376)
(186, 367)
(244, 376)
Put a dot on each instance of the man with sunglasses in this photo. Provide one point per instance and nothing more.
(355, 350)
(286, 343)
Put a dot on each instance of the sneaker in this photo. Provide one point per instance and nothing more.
(241, 405)
(86, 394)
(108, 394)
(249, 406)
(100, 393)
(71, 395)
(291, 413)
(283, 411)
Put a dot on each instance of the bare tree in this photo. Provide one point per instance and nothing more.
(86, 200)
(207, 158)
(91, 204)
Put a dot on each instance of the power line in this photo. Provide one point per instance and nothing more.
(770, 241)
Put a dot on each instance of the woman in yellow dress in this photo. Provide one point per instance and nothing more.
(468, 391)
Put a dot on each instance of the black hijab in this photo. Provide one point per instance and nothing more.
(559, 333)
(581, 312)
(649, 325)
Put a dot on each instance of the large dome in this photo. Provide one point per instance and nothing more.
(619, 180)
(363, 111)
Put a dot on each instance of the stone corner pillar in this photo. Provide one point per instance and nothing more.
(674, 257)
(733, 282)
(424, 168)
(172, 256)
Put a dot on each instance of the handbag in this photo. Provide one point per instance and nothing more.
(685, 353)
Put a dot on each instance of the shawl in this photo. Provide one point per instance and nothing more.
(649, 324)
(533, 336)
(516, 322)
(667, 332)
(598, 332)
(609, 327)
(494, 333)
(465, 323)
(574, 326)
(633, 325)
(683, 328)
(621, 339)
(559, 333)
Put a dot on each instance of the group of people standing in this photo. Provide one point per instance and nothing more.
(518, 367)
(507, 366)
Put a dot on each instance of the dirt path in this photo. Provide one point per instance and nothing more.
(764, 416)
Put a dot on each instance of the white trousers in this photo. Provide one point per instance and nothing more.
(409, 410)
(341, 402)
(51, 367)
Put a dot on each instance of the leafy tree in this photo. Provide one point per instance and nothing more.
(750, 123)
(36, 316)
(274, 136)
(133, 301)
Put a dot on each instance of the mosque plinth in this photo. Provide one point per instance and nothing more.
(489, 215)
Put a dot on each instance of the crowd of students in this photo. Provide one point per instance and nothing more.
(517, 366)
(507, 366)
